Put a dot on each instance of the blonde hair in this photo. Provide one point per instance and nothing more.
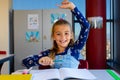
(54, 49)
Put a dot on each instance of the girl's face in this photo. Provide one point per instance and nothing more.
(62, 35)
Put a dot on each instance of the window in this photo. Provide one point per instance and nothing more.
(77, 27)
(109, 26)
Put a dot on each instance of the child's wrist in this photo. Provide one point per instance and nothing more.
(73, 6)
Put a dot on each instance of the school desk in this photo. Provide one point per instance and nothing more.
(4, 58)
(100, 74)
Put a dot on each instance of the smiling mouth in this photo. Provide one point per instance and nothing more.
(63, 41)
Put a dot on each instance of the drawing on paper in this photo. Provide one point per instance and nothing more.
(33, 21)
(32, 36)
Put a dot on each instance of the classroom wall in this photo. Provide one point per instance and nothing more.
(5, 7)
(41, 4)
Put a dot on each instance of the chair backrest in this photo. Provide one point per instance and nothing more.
(83, 64)
(44, 67)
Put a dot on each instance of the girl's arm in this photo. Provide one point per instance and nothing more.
(85, 27)
(33, 60)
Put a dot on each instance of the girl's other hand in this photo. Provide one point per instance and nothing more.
(45, 61)
(66, 4)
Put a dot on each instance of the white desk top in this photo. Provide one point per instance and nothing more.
(103, 74)
(99, 74)
(2, 56)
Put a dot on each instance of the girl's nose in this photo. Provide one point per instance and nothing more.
(62, 36)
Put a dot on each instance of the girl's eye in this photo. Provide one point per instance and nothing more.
(66, 33)
(58, 34)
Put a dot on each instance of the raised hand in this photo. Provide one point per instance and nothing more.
(66, 4)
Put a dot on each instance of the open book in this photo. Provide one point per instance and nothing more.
(62, 74)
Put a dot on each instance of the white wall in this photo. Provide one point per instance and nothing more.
(5, 6)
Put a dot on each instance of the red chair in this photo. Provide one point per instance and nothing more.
(83, 64)
(44, 67)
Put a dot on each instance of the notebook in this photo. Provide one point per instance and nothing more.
(62, 74)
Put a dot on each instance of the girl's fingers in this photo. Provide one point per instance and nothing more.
(46, 61)
(51, 63)
(65, 0)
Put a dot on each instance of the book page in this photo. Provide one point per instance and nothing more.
(76, 73)
(46, 74)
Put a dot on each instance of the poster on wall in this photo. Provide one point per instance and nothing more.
(33, 21)
(32, 36)
(57, 16)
